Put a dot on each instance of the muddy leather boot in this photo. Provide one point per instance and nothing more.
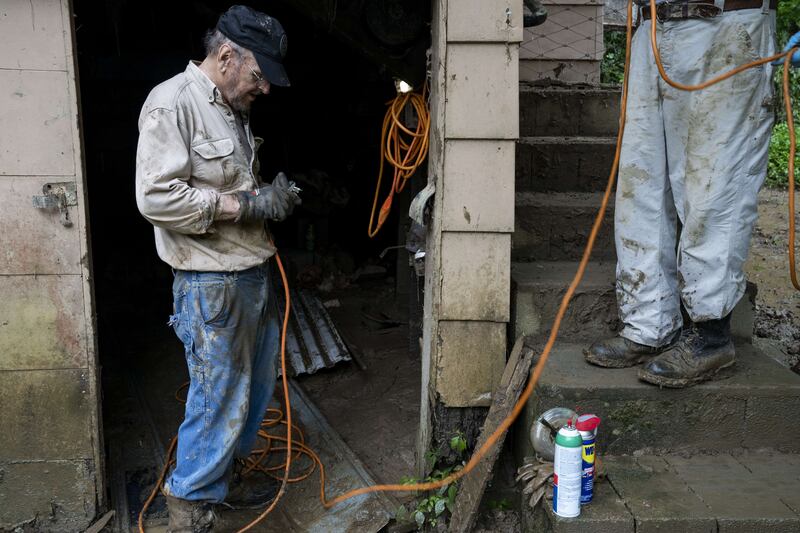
(253, 491)
(703, 350)
(619, 352)
(186, 516)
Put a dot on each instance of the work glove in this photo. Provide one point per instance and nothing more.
(266, 203)
(283, 182)
(794, 42)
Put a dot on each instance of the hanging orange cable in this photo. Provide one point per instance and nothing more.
(787, 99)
(405, 150)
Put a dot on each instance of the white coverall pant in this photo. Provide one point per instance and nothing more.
(698, 157)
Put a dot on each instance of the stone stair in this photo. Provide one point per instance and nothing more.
(751, 406)
(721, 456)
(566, 146)
(750, 492)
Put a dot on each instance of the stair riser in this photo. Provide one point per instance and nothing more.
(698, 423)
(592, 313)
(576, 112)
(543, 232)
(563, 167)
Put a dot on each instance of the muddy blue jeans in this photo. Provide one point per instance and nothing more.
(228, 324)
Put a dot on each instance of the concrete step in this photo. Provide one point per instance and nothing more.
(536, 292)
(741, 492)
(568, 111)
(537, 289)
(751, 406)
(555, 226)
(564, 164)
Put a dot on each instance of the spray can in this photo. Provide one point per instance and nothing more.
(587, 427)
(567, 466)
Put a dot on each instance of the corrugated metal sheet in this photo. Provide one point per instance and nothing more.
(312, 341)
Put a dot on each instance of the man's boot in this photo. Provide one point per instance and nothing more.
(703, 350)
(253, 491)
(619, 352)
(186, 516)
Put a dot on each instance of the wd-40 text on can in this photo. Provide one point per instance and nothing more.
(587, 427)
(567, 466)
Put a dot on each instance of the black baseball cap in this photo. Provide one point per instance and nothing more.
(262, 35)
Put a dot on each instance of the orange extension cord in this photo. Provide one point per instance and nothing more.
(254, 462)
(405, 156)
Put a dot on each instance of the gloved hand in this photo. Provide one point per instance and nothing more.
(793, 42)
(283, 182)
(267, 203)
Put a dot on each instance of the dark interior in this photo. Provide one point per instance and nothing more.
(324, 132)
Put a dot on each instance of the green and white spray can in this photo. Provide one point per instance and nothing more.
(568, 468)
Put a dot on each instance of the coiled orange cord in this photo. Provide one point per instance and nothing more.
(539, 367)
(405, 156)
(268, 422)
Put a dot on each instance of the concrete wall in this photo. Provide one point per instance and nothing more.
(51, 471)
(474, 126)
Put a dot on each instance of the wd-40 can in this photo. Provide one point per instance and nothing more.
(567, 466)
(587, 427)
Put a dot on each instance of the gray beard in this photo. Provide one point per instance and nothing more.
(239, 105)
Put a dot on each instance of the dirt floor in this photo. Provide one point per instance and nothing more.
(777, 303)
(374, 410)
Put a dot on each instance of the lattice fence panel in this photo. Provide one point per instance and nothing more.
(568, 47)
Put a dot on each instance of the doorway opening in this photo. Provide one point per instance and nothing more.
(324, 132)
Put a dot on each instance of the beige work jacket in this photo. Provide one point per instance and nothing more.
(189, 153)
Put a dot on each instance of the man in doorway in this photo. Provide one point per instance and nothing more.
(698, 158)
(197, 183)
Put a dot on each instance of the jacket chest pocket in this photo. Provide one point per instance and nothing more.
(213, 163)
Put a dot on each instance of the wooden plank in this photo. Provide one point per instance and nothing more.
(465, 511)
(476, 278)
(33, 35)
(470, 365)
(41, 324)
(471, 204)
(37, 107)
(482, 21)
(482, 92)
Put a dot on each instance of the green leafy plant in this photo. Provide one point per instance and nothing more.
(458, 443)
(612, 67)
(436, 505)
(499, 505)
(431, 458)
(777, 168)
(788, 21)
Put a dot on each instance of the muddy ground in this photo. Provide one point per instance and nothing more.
(777, 321)
(375, 409)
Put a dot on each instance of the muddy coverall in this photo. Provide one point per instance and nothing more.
(192, 148)
(695, 157)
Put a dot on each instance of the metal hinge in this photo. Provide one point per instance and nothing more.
(58, 196)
